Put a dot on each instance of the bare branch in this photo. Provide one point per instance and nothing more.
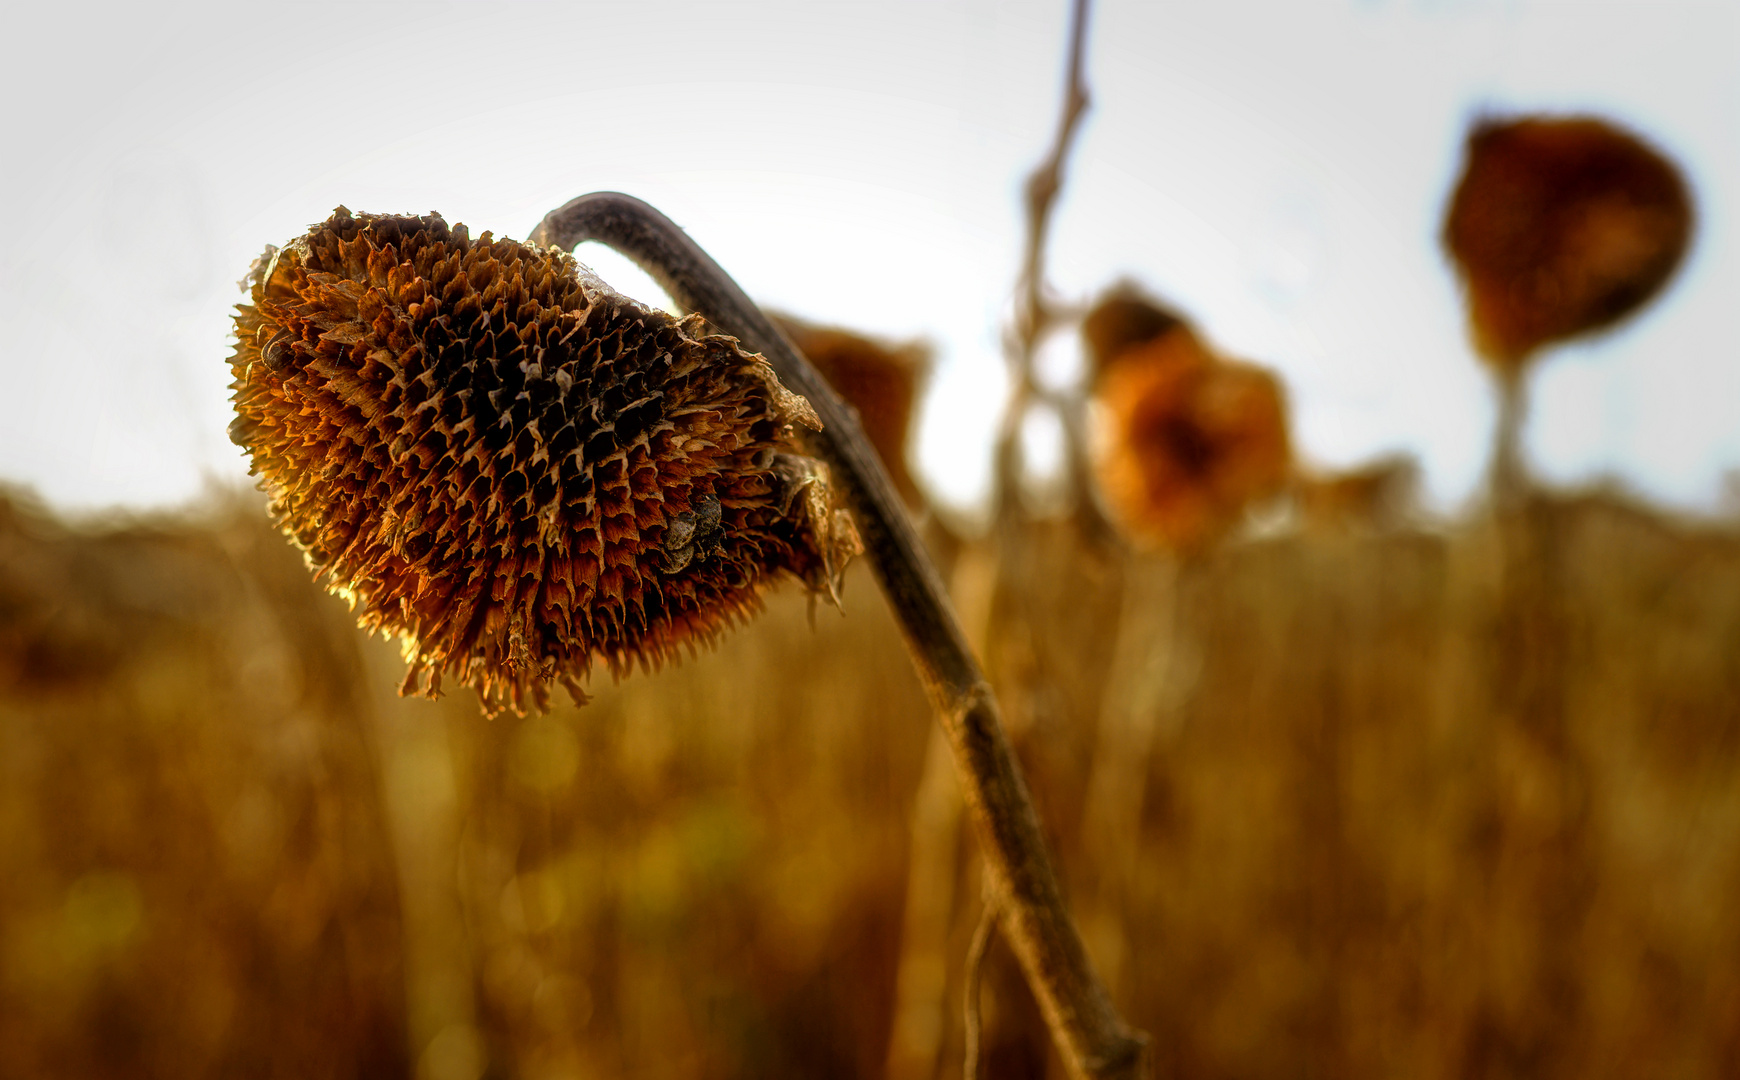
(1035, 314)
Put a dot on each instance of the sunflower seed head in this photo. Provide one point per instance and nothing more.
(511, 467)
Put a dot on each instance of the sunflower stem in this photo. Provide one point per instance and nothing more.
(1092, 1039)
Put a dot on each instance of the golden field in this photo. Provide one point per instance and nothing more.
(1355, 799)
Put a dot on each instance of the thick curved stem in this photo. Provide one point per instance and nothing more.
(1089, 1034)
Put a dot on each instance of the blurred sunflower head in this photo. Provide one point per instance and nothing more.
(1123, 318)
(1189, 440)
(1560, 226)
(513, 468)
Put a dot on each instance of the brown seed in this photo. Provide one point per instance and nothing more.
(511, 467)
(1559, 227)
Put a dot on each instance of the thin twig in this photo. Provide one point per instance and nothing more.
(1046, 182)
(976, 952)
(1036, 316)
(921, 997)
(1091, 1038)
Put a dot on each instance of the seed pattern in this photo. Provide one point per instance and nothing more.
(510, 466)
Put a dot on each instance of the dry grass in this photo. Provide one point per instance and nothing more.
(1460, 804)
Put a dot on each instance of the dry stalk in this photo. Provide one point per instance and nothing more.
(975, 969)
(1509, 478)
(921, 981)
(1036, 315)
(1090, 1036)
(917, 1036)
(1131, 712)
(921, 996)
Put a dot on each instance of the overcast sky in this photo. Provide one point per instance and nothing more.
(1277, 169)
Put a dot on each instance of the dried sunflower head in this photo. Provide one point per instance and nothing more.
(879, 380)
(1559, 227)
(1189, 440)
(511, 467)
(1123, 318)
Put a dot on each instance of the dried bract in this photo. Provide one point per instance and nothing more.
(880, 380)
(512, 467)
(1190, 440)
(1559, 227)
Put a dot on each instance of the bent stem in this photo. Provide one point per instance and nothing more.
(1090, 1036)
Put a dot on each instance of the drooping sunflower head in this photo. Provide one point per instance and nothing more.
(511, 467)
(1560, 226)
(1189, 440)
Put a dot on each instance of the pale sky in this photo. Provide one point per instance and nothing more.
(1277, 169)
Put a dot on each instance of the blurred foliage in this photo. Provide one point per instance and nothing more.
(197, 876)
(1456, 803)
